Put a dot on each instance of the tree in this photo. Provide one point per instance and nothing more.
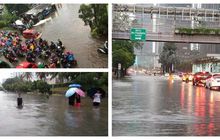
(185, 66)
(168, 57)
(124, 57)
(17, 84)
(123, 52)
(17, 8)
(42, 75)
(27, 76)
(42, 86)
(96, 16)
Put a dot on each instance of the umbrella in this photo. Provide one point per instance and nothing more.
(70, 92)
(27, 65)
(93, 91)
(80, 92)
(75, 85)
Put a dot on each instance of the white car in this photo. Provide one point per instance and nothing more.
(213, 81)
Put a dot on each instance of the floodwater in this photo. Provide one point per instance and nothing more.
(155, 106)
(51, 117)
(66, 25)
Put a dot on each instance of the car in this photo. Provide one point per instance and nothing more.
(31, 34)
(186, 77)
(213, 81)
(27, 65)
(200, 78)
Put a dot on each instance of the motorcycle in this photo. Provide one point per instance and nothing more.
(11, 58)
(103, 49)
(31, 58)
(45, 54)
(55, 61)
(68, 61)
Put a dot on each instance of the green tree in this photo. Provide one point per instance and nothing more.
(17, 84)
(123, 52)
(42, 75)
(168, 57)
(17, 8)
(27, 76)
(96, 16)
(42, 86)
(185, 66)
(124, 57)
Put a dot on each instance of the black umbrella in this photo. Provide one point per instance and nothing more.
(3, 64)
(93, 91)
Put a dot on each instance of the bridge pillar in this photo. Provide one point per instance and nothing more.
(213, 13)
(182, 13)
(190, 12)
(159, 12)
(134, 9)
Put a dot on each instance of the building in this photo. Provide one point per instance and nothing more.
(211, 64)
(149, 54)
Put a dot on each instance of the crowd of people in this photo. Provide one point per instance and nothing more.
(48, 55)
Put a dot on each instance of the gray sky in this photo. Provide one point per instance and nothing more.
(5, 74)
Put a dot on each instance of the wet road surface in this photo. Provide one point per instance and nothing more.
(155, 106)
(51, 117)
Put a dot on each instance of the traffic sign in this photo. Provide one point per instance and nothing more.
(138, 34)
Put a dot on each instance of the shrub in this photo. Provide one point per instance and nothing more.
(3, 24)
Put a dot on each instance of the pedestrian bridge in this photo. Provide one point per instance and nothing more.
(203, 14)
(171, 37)
(168, 19)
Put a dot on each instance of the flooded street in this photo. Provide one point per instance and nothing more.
(51, 117)
(65, 24)
(155, 106)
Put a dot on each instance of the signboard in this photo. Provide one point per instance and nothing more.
(138, 34)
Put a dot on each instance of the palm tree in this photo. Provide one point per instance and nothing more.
(42, 75)
(26, 76)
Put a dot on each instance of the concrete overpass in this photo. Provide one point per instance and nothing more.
(170, 37)
(175, 11)
(163, 30)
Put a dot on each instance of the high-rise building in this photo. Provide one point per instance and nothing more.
(149, 55)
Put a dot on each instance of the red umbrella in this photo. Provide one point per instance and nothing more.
(26, 64)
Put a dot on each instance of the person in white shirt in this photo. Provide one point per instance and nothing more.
(97, 99)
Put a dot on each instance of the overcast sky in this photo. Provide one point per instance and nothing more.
(5, 74)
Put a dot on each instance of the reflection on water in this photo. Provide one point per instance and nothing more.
(145, 105)
(41, 116)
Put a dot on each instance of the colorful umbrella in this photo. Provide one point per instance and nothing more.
(70, 92)
(75, 85)
(80, 92)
